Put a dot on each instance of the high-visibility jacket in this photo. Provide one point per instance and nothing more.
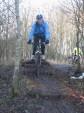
(75, 51)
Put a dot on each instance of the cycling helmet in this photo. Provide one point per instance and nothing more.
(38, 17)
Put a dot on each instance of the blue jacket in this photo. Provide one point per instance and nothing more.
(37, 29)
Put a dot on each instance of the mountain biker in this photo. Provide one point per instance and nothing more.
(77, 53)
(39, 30)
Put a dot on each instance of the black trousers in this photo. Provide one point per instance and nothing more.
(35, 44)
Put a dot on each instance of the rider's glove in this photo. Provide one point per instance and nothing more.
(47, 41)
(29, 42)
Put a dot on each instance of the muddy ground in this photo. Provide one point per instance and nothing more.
(53, 92)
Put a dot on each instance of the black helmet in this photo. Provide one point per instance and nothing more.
(38, 17)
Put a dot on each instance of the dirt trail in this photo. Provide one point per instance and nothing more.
(47, 94)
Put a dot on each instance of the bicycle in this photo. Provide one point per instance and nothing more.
(74, 59)
(38, 57)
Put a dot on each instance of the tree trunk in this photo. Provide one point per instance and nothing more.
(18, 51)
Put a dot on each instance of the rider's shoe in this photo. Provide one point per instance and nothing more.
(43, 57)
(32, 57)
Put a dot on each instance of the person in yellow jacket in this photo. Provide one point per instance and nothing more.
(75, 52)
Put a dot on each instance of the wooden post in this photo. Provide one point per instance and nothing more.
(83, 5)
(7, 33)
(78, 64)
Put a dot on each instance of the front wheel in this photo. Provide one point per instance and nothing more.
(38, 63)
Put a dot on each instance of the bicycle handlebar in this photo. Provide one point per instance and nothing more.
(40, 43)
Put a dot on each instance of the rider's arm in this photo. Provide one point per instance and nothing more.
(80, 51)
(31, 33)
(47, 32)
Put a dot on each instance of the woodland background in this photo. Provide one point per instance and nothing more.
(66, 22)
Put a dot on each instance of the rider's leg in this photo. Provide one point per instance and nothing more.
(43, 47)
(35, 45)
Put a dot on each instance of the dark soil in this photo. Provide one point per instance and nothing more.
(49, 93)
